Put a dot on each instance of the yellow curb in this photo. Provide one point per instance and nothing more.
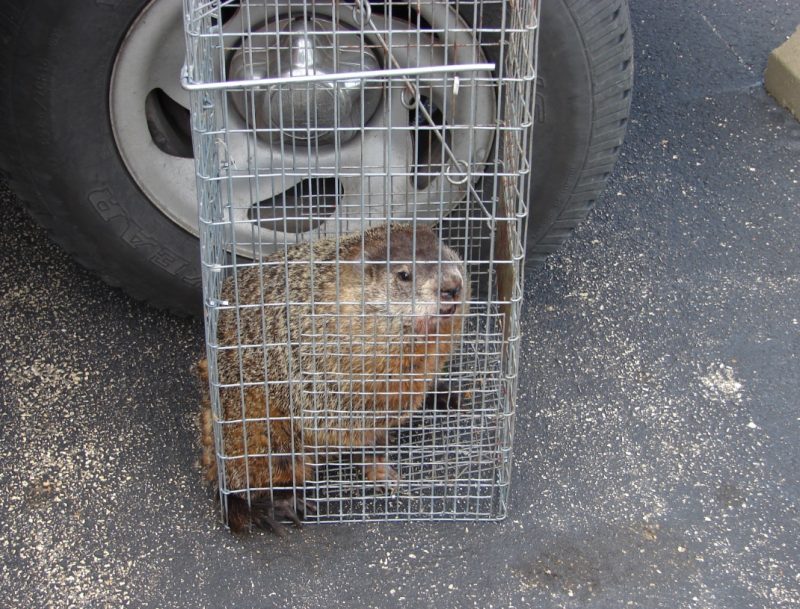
(782, 78)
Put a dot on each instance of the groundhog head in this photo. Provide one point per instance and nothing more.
(410, 277)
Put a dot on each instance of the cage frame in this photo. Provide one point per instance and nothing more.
(501, 215)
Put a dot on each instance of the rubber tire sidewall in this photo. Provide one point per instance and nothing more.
(563, 117)
(64, 154)
(584, 84)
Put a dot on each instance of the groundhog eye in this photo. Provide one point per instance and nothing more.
(404, 276)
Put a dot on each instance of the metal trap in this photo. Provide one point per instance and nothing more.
(362, 175)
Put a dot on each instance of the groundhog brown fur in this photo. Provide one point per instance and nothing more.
(352, 355)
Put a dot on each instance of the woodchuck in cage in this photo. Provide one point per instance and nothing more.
(362, 175)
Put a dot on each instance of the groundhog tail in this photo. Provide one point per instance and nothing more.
(202, 371)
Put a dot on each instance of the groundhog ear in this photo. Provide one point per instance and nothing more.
(372, 252)
(365, 255)
(370, 264)
(360, 262)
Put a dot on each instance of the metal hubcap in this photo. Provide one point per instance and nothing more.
(321, 172)
(306, 48)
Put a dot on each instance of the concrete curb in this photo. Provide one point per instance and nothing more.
(782, 77)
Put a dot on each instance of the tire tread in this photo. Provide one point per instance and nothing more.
(610, 54)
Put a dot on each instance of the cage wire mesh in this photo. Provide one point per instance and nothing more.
(362, 175)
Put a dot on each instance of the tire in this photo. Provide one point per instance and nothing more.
(582, 106)
(60, 157)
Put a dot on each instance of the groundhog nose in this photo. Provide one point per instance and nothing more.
(451, 289)
(451, 294)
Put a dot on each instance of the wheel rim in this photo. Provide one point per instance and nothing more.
(150, 119)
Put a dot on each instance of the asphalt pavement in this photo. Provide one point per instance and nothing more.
(656, 448)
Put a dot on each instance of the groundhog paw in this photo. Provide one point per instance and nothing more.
(384, 476)
(270, 515)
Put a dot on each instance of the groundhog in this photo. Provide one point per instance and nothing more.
(351, 357)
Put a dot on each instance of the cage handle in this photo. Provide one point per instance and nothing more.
(190, 85)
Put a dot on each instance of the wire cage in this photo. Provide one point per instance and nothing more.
(362, 176)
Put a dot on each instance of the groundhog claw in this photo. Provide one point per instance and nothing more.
(268, 515)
